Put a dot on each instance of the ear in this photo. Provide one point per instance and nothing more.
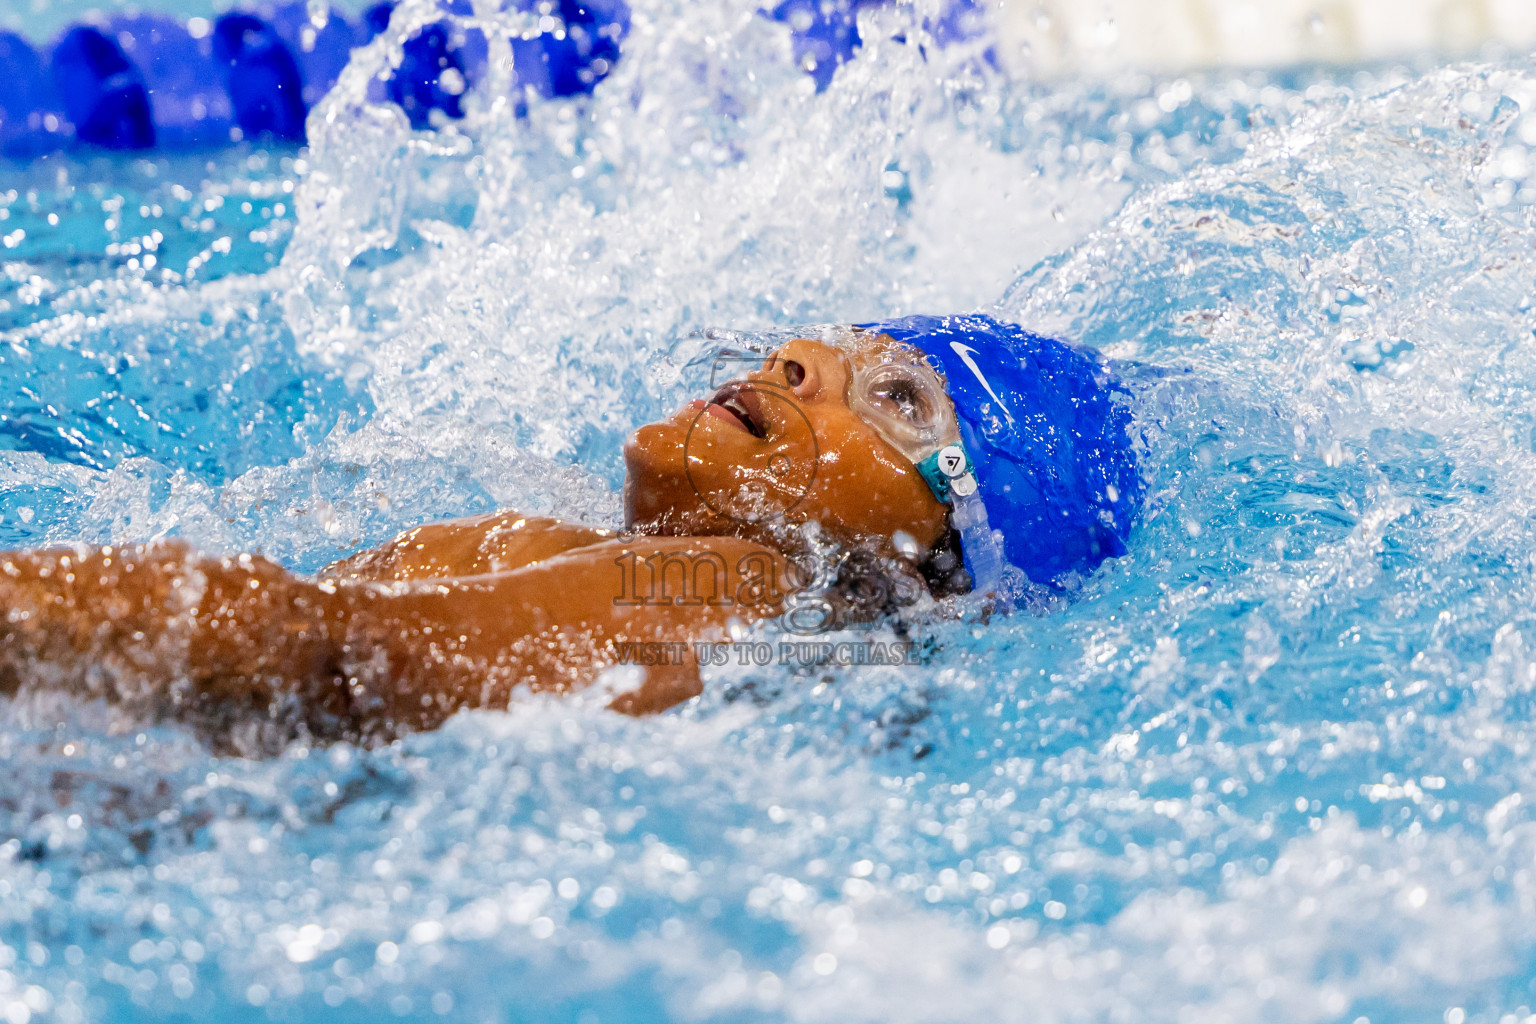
(943, 567)
(871, 586)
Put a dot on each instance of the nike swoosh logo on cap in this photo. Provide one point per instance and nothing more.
(965, 352)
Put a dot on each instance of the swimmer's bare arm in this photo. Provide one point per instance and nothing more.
(215, 641)
(471, 546)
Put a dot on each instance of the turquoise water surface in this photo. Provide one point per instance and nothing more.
(1274, 765)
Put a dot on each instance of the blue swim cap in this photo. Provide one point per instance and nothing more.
(1050, 446)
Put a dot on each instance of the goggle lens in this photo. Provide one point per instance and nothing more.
(906, 405)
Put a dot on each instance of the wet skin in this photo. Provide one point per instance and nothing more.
(461, 614)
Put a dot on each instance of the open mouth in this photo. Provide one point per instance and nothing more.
(739, 405)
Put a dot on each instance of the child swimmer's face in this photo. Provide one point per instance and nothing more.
(781, 446)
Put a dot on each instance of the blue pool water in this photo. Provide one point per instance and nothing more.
(1273, 765)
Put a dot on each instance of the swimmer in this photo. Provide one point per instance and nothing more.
(934, 455)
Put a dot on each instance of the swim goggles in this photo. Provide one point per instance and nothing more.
(903, 400)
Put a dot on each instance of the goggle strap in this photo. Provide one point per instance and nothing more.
(937, 482)
(980, 545)
(951, 476)
(948, 471)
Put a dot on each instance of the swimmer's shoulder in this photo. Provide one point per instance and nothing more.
(650, 587)
(734, 557)
(548, 551)
(471, 546)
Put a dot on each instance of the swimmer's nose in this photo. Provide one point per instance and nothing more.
(801, 368)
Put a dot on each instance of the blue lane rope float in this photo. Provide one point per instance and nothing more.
(31, 117)
(320, 47)
(572, 63)
(102, 91)
(262, 78)
(141, 81)
(189, 104)
(432, 75)
(824, 36)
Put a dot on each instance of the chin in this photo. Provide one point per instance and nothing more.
(652, 468)
(650, 453)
